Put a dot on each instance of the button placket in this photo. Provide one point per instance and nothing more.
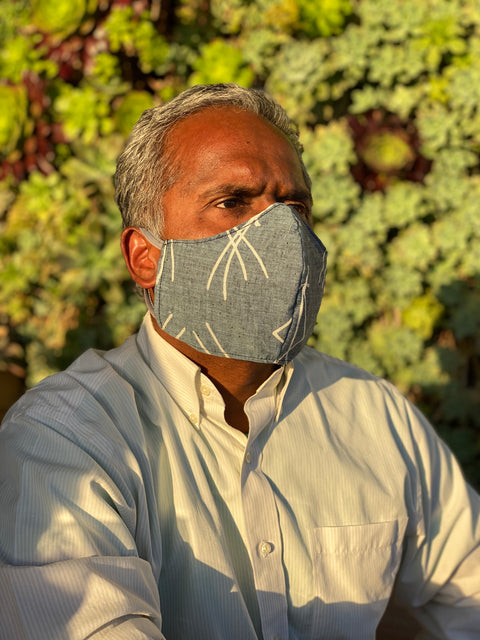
(263, 533)
(192, 408)
(194, 420)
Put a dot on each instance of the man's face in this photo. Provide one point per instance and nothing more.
(229, 165)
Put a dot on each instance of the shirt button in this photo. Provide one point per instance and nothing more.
(205, 390)
(265, 548)
(193, 418)
(248, 457)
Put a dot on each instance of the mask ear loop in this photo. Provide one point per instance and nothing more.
(147, 296)
(157, 242)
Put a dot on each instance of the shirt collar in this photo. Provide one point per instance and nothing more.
(194, 392)
(177, 373)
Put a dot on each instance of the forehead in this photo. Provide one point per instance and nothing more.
(206, 139)
(235, 120)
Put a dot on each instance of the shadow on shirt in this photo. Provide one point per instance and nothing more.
(211, 606)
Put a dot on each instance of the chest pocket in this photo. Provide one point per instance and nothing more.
(355, 568)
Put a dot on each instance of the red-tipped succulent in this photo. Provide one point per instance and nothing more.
(387, 148)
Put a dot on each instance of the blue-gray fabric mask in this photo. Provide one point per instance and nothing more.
(250, 293)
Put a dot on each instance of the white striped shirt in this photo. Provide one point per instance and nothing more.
(130, 509)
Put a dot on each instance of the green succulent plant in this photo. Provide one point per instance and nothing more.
(386, 96)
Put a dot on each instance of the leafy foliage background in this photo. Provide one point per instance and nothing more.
(387, 98)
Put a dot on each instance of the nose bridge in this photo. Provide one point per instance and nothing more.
(266, 200)
(274, 189)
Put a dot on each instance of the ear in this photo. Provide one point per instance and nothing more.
(141, 257)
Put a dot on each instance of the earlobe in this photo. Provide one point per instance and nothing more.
(141, 257)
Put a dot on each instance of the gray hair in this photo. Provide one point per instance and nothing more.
(145, 169)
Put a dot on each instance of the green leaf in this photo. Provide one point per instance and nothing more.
(13, 113)
(395, 347)
(413, 248)
(422, 315)
(84, 112)
(130, 109)
(62, 17)
(324, 17)
(221, 62)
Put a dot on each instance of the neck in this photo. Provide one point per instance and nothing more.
(236, 380)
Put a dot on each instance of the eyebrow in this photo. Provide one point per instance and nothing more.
(236, 190)
(228, 187)
(300, 194)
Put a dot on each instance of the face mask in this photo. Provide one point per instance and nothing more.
(250, 293)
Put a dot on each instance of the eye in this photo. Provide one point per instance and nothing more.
(230, 203)
(301, 208)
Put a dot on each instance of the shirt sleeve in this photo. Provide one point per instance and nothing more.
(439, 577)
(99, 597)
(71, 564)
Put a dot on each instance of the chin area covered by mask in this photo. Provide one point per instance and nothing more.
(249, 293)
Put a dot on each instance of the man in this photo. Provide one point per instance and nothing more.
(214, 477)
